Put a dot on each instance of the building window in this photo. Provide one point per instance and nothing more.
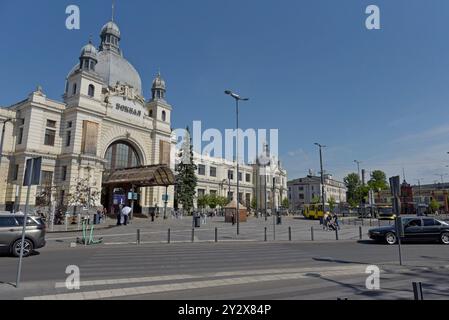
(248, 177)
(20, 136)
(202, 170)
(213, 171)
(201, 192)
(213, 192)
(91, 91)
(230, 175)
(64, 173)
(151, 114)
(121, 155)
(49, 137)
(240, 176)
(68, 139)
(69, 124)
(51, 123)
(74, 88)
(164, 116)
(15, 174)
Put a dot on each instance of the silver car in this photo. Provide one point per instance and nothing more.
(11, 234)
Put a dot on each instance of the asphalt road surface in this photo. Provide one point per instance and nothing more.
(231, 270)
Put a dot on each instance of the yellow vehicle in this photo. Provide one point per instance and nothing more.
(385, 213)
(313, 211)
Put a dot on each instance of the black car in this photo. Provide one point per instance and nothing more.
(415, 229)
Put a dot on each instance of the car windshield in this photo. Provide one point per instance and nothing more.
(443, 223)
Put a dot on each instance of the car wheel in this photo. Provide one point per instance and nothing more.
(445, 237)
(27, 248)
(390, 238)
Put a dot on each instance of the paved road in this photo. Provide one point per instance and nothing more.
(181, 231)
(231, 270)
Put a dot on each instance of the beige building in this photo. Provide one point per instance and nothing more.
(305, 190)
(219, 176)
(104, 123)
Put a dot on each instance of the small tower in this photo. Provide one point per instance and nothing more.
(88, 57)
(158, 89)
(83, 80)
(158, 107)
(110, 38)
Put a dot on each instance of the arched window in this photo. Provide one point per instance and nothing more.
(121, 155)
(74, 88)
(91, 91)
(164, 116)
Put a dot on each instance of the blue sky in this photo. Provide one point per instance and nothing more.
(310, 67)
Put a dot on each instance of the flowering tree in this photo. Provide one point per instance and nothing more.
(82, 195)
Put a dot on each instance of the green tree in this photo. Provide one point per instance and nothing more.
(203, 201)
(353, 184)
(378, 181)
(331, 203)
(434, 205)
(186, 180)
(316, 200)
(254, 204)
(285, 203)
(222, 201)
(213, 201)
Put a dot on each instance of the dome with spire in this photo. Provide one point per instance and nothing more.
(111, 28)
(112, 66)
(158, 89)
(158, 82)
(89, 51)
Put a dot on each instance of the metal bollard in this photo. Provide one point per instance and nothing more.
(311, 233)
(66, 222)
(169, 235)
(360, 233)
(265, 234)
(193, 235)
(417, 291)
(216, 234)
(138, 236)
(336, 234)
(289, 233)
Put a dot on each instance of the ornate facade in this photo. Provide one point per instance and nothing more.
(103, 123)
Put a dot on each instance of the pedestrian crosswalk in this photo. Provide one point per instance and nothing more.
(252, 271)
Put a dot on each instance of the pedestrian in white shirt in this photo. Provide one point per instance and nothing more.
(126, 212)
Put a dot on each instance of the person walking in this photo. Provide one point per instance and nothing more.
(336, 221)
(126, 211)
(119, 215)
(325, 226)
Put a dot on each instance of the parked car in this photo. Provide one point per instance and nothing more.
(415, 229)
(11, 227)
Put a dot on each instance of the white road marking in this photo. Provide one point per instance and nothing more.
(122, 292)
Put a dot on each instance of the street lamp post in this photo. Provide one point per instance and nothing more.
(323, 200)
(237, 100)
(358, 168)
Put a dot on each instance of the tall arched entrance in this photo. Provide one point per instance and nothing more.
(120, 155)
